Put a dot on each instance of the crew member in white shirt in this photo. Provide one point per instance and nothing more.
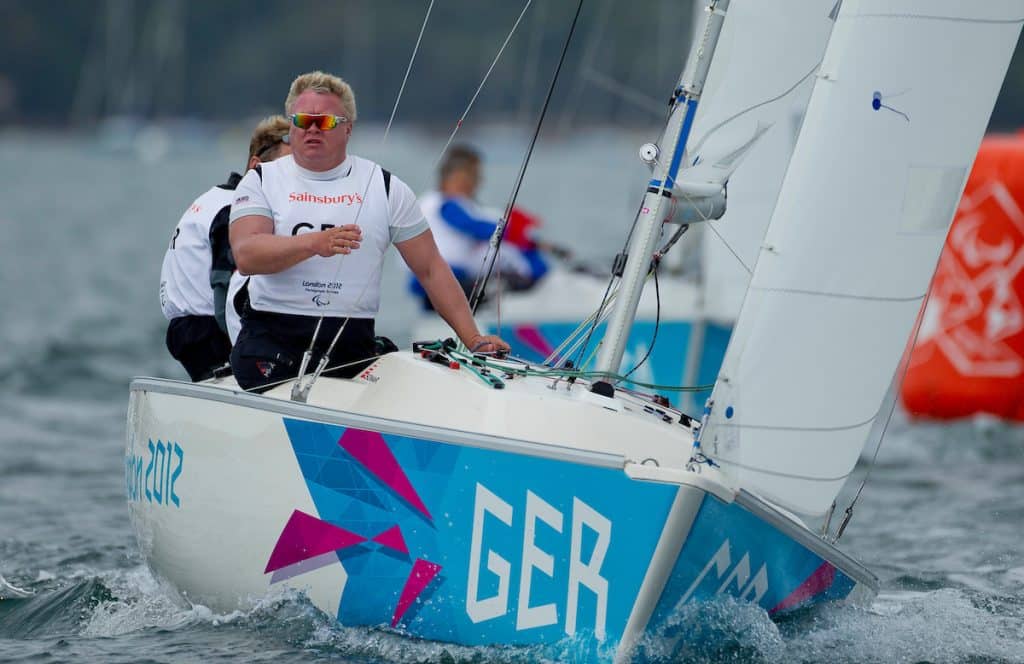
(462, 229)
(198, 264)
(312, 230)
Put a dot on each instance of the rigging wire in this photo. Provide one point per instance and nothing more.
(711, 131)
(300, 391)
(894, 388)
(748, 109)
(458, 125)
(572, 341)
(728, 246)
(598, 317)
(481, 284)
(625, 249)
(657, 324)
(593, 42)
(605, 301)
(408, 69)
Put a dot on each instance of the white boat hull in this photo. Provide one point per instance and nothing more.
(453, 535)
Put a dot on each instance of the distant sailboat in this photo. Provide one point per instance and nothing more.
(475, 500)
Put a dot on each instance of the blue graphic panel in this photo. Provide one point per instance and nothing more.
(664, 366)
(506, 548)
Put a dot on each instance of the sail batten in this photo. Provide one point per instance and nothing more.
(935, 17)
(861, 217)
(847, 296)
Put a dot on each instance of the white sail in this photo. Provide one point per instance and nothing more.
(758, 88)
(891, 130)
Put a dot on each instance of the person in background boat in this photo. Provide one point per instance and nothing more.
(198, 265)
(312, 230)
(462, 228)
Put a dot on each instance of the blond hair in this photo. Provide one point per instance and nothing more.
(268, 136)
(326, 84)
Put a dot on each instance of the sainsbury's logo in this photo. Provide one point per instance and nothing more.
(343, 199)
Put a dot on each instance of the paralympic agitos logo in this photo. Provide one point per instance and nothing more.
(342, 199)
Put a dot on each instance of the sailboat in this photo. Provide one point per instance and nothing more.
(470, 499)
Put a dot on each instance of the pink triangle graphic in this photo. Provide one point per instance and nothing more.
(532, 337)
(423, 572)
(370, 449)
(818, 582)
(392, 538)
(306, 537)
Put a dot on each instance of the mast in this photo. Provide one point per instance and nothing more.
(666, 166)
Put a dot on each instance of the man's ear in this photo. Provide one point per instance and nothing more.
(254, 161)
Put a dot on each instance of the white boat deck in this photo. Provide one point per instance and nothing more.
(417, 394)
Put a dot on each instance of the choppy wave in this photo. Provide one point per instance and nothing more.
(88, 359)
(131, 608)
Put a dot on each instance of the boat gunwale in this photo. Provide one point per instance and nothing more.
(384, 425)
(826, 550)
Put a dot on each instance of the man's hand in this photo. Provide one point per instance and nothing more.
(487, 343)
(338, 240)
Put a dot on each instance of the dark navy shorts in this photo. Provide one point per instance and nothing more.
(199, 344)
(270, 346)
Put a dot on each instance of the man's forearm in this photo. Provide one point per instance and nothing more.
(264, 253)
(450, 303)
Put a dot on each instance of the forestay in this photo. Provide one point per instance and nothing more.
(895, 118)
(757, 91)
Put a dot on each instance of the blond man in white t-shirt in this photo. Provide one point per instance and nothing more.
(312, 230)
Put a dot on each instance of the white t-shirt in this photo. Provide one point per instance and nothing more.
(302, 201)
(185, 288)
(460, 249)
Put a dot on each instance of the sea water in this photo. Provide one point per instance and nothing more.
(83, 227)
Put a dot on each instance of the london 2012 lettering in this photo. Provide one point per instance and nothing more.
(534, 560)
(152, 477)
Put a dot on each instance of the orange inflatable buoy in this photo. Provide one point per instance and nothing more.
(969, 354)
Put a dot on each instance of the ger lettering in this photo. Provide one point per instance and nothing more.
(533, 560)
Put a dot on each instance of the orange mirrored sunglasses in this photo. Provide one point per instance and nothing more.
(322, 121)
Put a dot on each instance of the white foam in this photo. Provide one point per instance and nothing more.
(9, 591)
(938, 626)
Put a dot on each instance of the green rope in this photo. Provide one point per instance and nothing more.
(466, 359)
